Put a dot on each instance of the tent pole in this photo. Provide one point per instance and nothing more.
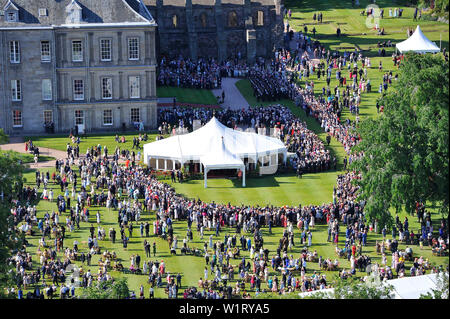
(157, 163)
(243, 176)
(206, 177)
(165, 164)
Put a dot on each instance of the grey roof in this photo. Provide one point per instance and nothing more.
(93, 11)
(181, 3)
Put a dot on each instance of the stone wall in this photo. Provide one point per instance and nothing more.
(63, 71)
(218, 28)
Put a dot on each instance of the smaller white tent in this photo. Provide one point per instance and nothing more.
(418, 42)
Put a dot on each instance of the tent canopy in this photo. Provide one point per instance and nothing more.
(221, 158)
(418, 42)
(216, 147)
(214, 142)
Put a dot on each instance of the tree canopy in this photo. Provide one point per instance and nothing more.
(10, 184)
(406, 148)
(3, 137)
(117, 289)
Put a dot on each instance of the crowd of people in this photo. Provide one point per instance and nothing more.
(98, 180)
(311, 154)
(200, 74)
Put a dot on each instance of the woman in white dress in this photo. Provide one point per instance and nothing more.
(312, 223)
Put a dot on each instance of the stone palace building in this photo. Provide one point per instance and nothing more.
(218, 28)
(91, 64)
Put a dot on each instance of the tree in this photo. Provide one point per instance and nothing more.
(115, 289)
(3, 137)
(406, 148)
(442, 287)
(353, 288)
(11, 172)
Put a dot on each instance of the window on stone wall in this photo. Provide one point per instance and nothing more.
(78, 90)
(175, 21)
(107, 117)
(232, 19)
(14, 52)
(11, 17)
(77, 51)
(46, 89)
(17, 118)
(16, 90)
(135, 115)
(133, 49)
(45, 51)
(48, 116)
(260, 20)
(79, 117)
(135, 91)
(105, 49)
(107, 88)
(203, 20)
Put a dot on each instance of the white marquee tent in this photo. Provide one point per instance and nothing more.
(214, 146)
(418, 42)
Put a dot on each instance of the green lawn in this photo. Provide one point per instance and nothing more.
(187, 95)
(27, 158)
(59, 142)
(192, 267)
(355, 33)
(277, 190)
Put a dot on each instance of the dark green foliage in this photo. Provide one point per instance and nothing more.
(406, 148)
(10, 183)
(117, 289)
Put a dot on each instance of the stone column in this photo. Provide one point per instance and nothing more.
(153, 83)
(92, 89)
(119, 47)
(120, 85)
(62, 39)
(192, 34)
(148, 85)
(221, 39)
(152, 46)
(91, 48)
(251, 45)
(66, 86)
(148, 46)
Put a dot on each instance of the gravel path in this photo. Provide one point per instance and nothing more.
(233, 98)
(18, 144)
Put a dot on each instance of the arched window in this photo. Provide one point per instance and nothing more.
(232, 19)
(203, 20)
(260, 18)
(174, 21)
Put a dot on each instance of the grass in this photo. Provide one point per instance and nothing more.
(187, 95)
(276, 190)
(355, 34)
(59, 142)
(355, 31)
(27, 158)
(192, 267)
